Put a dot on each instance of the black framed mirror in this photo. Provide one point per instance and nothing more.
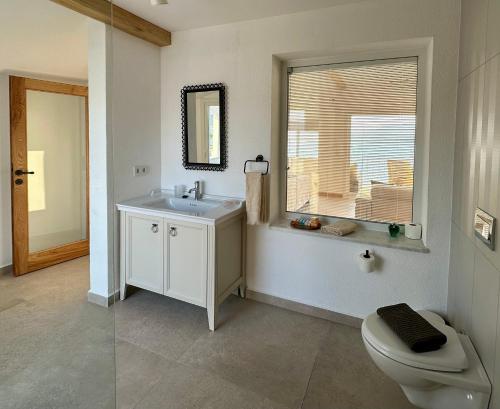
(204, 127)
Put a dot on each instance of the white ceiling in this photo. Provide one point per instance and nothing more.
(41, 37)
(187, 14)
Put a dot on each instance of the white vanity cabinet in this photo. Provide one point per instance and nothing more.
(199, 260)
(144, 251)
(185, 255)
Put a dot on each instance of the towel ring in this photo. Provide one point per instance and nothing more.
(258, 159)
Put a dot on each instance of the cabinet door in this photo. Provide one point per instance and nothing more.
(186, 261)
(144, 237)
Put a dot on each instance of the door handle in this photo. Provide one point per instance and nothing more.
(173, 231)
(20, 172)
(155, 228)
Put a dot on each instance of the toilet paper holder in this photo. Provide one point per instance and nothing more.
(366, 261)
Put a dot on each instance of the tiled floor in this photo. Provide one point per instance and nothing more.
(57, 351)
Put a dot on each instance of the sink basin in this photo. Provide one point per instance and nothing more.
(199, 207)
(209, 209)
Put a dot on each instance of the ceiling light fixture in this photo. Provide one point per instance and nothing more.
(158, 2)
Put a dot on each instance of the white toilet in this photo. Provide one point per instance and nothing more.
(449, 378)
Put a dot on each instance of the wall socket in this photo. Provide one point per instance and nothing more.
(140, 170)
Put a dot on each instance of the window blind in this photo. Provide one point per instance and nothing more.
(351, 140)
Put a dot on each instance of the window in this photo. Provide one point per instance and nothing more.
(351, 140)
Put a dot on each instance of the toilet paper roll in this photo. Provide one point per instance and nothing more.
(366, 264)
(413, 231)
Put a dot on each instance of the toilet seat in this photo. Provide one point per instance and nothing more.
(450, 357)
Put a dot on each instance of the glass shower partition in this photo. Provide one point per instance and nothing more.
(57, 326)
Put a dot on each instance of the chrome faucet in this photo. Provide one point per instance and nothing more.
(196, 190)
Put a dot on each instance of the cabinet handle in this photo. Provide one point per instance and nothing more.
(155, 228)
(173, 231)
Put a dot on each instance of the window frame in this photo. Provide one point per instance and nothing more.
(421, 153)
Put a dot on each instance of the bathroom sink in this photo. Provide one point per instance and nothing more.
(184, 205)
(209, 209)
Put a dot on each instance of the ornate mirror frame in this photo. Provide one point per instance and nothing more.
(223, 139)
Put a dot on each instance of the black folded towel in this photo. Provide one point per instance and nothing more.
(412, 328)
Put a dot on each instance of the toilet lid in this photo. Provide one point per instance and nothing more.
(449, 358)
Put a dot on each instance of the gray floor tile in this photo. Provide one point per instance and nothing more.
(344, 377)
(159, 324)
(57, 350)
(137, 371)
(266, 350)
(146, 380)
(270, 325)
(183, 387)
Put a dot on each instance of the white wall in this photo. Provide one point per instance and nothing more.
(136, 120)
(100, 160)
(53, 41)
(136, 114)
(39, 36)
(318, 271)
(124, 131)
(474, 288)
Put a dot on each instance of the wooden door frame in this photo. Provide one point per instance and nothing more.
(23, 261)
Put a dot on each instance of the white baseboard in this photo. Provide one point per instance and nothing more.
(305, 309)
(101, 300)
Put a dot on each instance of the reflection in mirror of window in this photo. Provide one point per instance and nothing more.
(351, 140)
(214, 134)
(203, 127)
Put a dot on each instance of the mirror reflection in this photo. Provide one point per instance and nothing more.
(203, 127)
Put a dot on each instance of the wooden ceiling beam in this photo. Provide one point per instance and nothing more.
(120, 18)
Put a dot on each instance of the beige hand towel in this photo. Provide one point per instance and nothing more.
(257, 203)
(340, 227)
